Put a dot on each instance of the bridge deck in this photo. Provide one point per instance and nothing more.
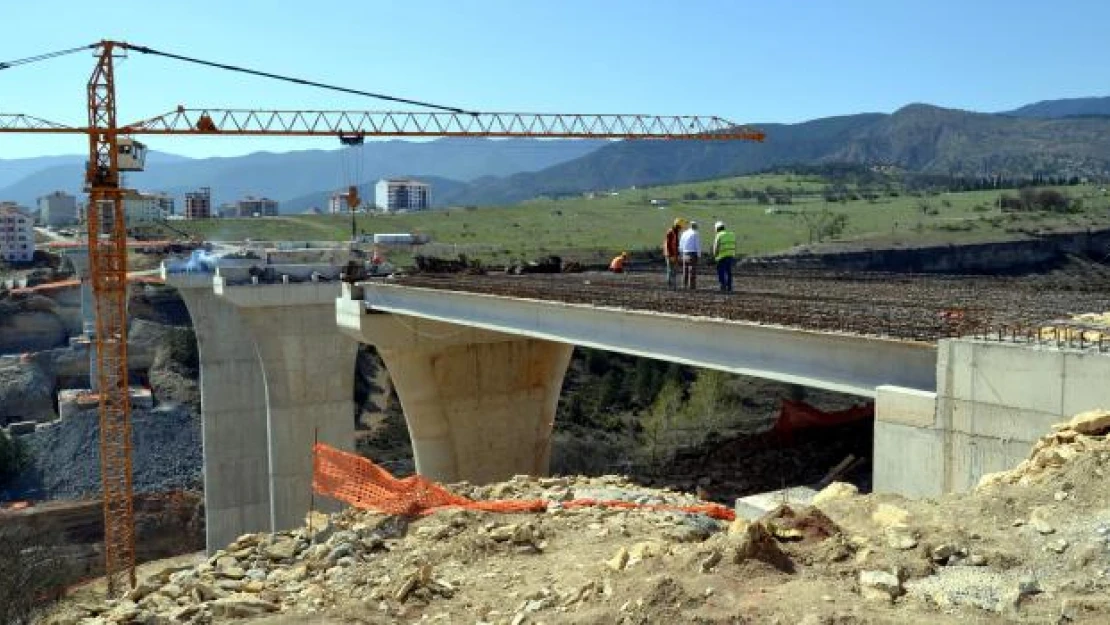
(917, 307)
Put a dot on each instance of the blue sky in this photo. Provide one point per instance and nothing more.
(745, 60)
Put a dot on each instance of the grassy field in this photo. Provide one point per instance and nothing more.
(595, 227)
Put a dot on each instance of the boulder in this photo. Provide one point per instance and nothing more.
(834, 491)
(879, 585)
(756, 542)
(241, 605)
(1092, 422)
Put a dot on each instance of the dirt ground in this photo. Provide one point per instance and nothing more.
(1030, 546)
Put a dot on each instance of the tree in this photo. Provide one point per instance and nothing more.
(823, 225)
(13, 457)
(665, 410)
(707, 404)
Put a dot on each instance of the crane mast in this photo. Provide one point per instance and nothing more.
(108, 275)
(112, 151)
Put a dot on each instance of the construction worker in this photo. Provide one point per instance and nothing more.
(724, 253)
(617, 264)
(670, 251)
(690, 247)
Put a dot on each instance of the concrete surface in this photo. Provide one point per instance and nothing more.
(233, 415)
(480, 405)
(993, 401)
(308, 376)
(753, 507)
(838, 362)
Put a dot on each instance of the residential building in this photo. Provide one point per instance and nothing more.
(140, 208)
(198, 204)
(17, 233)
(393, 194)
(57, 209)
(257, 207)
(337, 203)
(249, 206)
(166, 203)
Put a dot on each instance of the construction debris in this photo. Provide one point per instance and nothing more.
(859, 558)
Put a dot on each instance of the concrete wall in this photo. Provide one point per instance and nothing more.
(993, 401)
(1004, 256)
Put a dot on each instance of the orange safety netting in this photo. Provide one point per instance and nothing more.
(363, 484)
(796, 415)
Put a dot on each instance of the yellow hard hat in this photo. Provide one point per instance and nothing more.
(680, 222)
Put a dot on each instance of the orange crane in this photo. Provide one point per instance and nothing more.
(112, 150)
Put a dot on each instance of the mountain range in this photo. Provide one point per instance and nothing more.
(300, 174)
(1058, 137)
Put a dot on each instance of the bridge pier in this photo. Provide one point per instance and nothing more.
(480, 405)
(308, 380)
(233, 415)
(275, 375)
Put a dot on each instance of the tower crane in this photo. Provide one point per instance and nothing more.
(113, 149)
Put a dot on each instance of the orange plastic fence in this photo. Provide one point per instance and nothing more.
(797, 415)
(363, 484)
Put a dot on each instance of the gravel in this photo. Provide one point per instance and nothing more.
(166, 455)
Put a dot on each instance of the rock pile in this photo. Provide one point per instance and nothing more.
(1036, 550)
(1086, 432)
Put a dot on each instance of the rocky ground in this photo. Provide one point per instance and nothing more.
(1029, 546)
(64, 458)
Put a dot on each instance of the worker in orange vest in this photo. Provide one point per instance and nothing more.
(617, 264)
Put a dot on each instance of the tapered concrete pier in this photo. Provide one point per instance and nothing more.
(480, 405)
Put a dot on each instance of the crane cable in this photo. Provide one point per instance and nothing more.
(299, 81)
(46, 56)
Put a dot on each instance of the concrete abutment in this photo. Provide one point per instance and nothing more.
(993, 402)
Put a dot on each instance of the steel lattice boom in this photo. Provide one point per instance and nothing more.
(16, 122)
(439, 124)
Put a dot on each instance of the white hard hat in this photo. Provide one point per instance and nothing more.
(719, 225)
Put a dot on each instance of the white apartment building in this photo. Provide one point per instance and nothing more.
(17, 234)
(142, 208)
(402, 194)
(138, 209)
(58, 209)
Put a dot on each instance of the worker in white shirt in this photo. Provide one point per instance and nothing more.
(690, 246)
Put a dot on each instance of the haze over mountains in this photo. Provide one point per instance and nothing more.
(1070, 137)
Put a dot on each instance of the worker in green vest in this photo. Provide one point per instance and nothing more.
(724, 252)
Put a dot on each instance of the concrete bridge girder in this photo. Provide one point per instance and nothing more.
(844, 363)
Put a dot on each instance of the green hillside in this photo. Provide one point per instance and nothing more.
(592, 228)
